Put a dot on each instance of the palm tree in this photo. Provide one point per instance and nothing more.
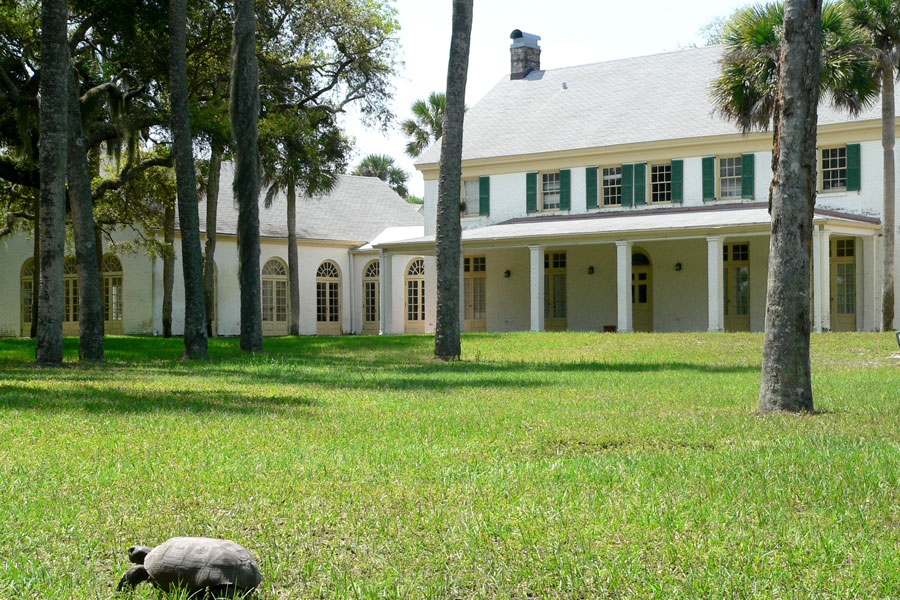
(244, 108)
(382, 166)
(53, 151)
(880, 20)
(449, 230)
(427, 124)
(195, 339)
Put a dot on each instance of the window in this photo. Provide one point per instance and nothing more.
(475, 264)
(415, 296)
(611, 184)
(371, 315)
(550, 191)
(328, 293)
(834, 169)
(274, 297)
(470, 197)
(112, 289)
(661, 183)
(730, 173)
(845, 248)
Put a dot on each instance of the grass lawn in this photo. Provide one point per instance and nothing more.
(543, 465)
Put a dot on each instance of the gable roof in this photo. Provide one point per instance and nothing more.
(643, 99)
(357, 210)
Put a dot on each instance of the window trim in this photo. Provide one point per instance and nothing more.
(648, 188)
(820, 175)
(601, 197)
(463, 205)
(718, 173)
(540, 191)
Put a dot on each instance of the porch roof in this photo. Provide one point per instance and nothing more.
(646, 224)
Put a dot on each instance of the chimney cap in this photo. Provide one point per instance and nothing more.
(522, 39)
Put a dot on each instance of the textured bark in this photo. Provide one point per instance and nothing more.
(168, 270)
(36, 274)
(889, 226)
(195, 340)
(785, 382)
(209, 265)
(244, 109)
(293, 260)
(447, 239)
(53, 111)
(87, 257)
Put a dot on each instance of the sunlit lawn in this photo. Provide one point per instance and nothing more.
(541, 465)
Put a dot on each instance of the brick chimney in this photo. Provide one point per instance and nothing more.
(524, 54)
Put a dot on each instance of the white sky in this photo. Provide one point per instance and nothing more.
(572, 32)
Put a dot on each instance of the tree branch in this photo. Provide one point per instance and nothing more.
(130, 173)
(15, 173)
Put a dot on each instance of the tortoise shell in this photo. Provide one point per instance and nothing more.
(198, 563)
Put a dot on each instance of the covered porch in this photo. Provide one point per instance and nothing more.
(654, 270)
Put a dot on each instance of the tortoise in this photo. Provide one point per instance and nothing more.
(197, 565)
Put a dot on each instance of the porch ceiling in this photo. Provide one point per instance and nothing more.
(648, 224)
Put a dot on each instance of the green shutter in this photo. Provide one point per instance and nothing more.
(531, 192)
(640, 183)
(747, 171)
(709, 178)
(590, 186)
(854, 174)
(627, 184)
(677, 180)
(484, 196)
(565, 189)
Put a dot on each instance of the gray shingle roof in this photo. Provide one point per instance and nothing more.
(648, 98)
(357, 210)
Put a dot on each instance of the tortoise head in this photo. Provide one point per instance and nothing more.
(136, 554)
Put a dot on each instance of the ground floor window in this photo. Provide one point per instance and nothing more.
(415, 296)
(555, 300)
(371, 292)
(328, 299)
(274, 297)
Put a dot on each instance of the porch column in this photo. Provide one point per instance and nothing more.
(822, 273)
(715, 290)
(818, 323)
(384, 310)
(536, 285)
(462, 295)
(871, 284)
(623, 286)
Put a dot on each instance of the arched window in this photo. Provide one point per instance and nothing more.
(274, 297)
(415, 296)
(371, 300)
(28, 289)
(70, 290)
(328, 299)
(113, 300)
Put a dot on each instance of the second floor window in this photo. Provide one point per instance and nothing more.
(834, 168)
(611, 184)
(730, 172)
(470, 197)
(550, 191)
(661, 183)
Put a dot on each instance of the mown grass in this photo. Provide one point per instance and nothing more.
(540, 466)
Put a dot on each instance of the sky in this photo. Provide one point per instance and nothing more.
(573, 32)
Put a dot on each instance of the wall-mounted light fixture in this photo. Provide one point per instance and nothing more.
(506, 273)
(677, 266)
(591, 270)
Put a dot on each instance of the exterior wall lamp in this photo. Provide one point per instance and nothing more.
(678, 266)
(591, 270)
(506, 273)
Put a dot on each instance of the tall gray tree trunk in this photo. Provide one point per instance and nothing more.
(785, 383)
(36, 274)
(889, 225)
(212, 203)
(53, 142)
(168, 269)
(195, 340)
(293, 259)
(244, 109)
(90, 308)
(449, 230)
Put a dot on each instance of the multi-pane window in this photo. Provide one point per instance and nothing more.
(475, 264)
(550, 191)
(834, 168)
(415, 290)
(112, 289)
(274, 291)
(370, 291)
(70, 290)
(554, 285)
(611, 183)
(661, 183)
(470, 197)
(846, 288)
(554, 260)
(845, 248)
(328, 293)
(730, 172)
(474, 287)
(738, 252)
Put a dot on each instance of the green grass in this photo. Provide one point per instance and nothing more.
(541, 466)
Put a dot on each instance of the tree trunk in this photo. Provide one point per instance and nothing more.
(195, 340)
(53, 112)
(293, 260)
(785, 382)
(244, 109)
(209, 267)
(449, 230)
(36, 274)
(888, 225)
(168, 269)
(90, 309)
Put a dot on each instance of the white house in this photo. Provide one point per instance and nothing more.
(339, 270)
(612, 196)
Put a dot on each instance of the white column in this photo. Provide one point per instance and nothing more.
(871, 284)
(462, 295)
(824, 268)
(818, 295)
(715, 290)
(536, 285)
(623, 286)
(351, 287)
(386, 304)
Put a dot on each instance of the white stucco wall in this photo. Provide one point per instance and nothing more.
(14, 250)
